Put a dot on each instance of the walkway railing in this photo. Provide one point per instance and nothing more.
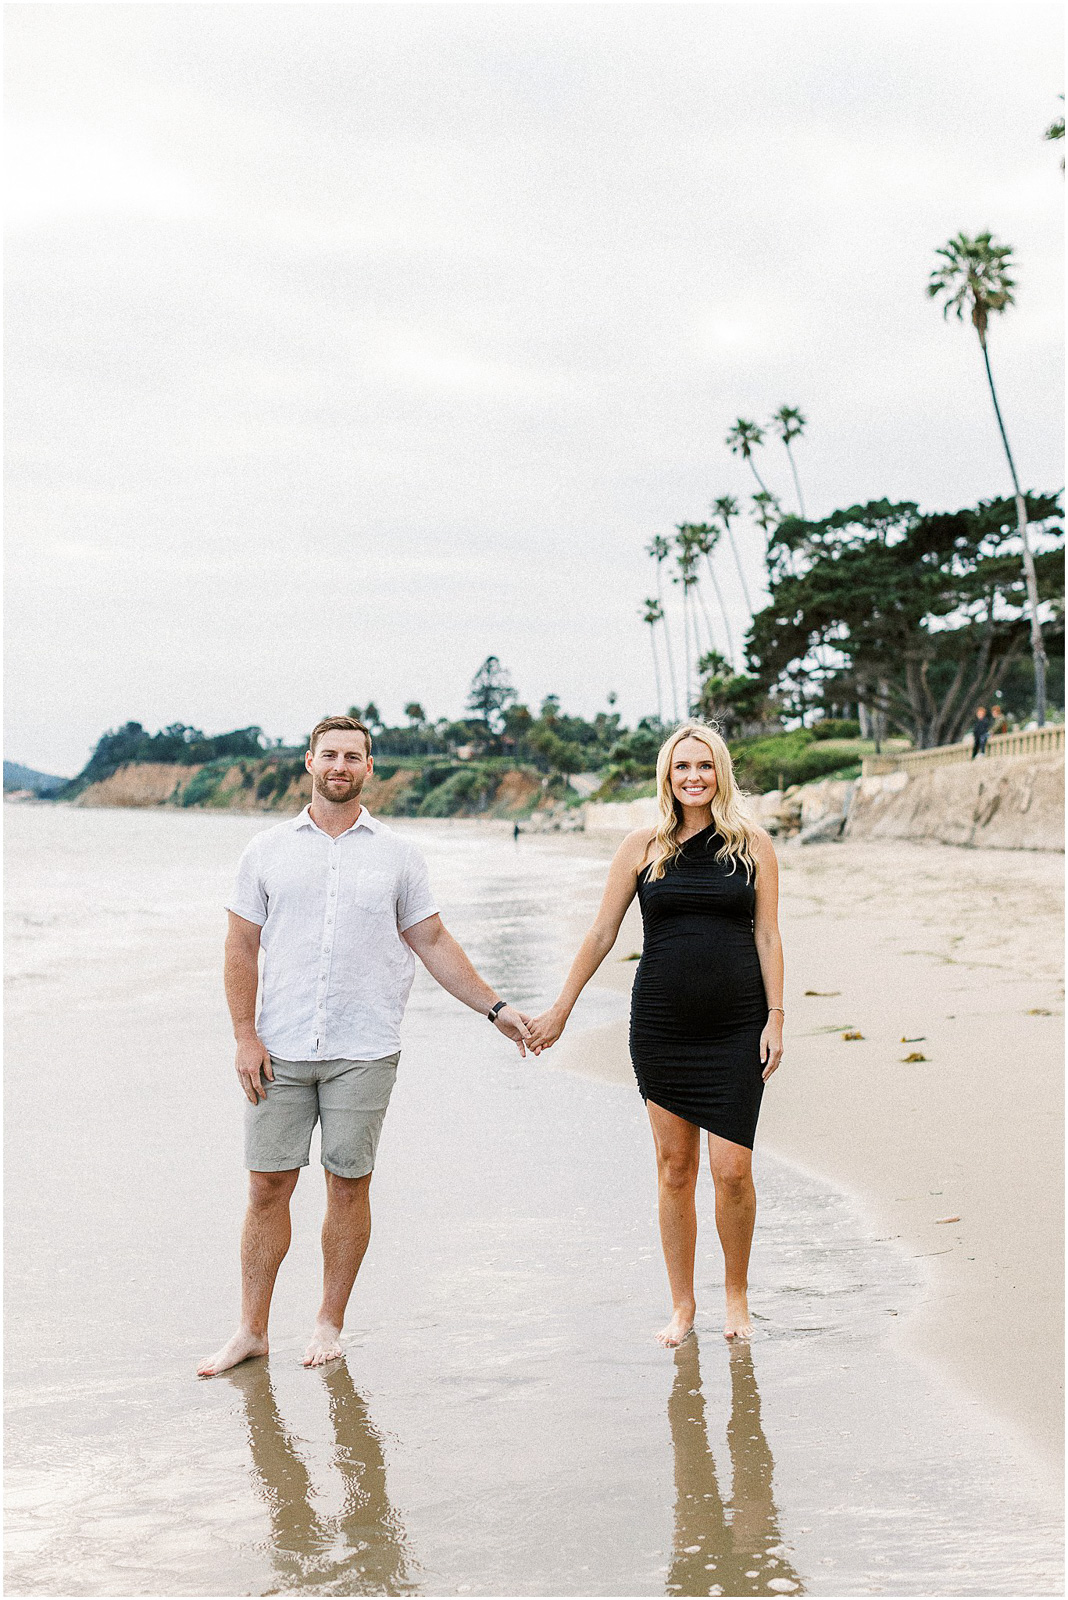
(1028, 742)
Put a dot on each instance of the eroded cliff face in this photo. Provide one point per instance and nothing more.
(1014, 804)
(237, 788)
(145, 783)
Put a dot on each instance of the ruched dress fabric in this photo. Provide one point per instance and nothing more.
(698, 1006)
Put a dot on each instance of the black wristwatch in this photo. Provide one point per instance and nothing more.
(498, 1007)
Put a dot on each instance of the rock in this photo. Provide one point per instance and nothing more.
(826, 831)
(829, 798)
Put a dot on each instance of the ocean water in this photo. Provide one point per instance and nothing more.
(503, 1422)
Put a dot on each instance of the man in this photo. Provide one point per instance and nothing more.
(980, 732)
(338, 902)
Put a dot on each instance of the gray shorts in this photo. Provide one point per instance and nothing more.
(347, 1098)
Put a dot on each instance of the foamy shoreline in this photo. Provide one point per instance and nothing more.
(954, 956)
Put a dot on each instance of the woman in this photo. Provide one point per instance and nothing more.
(706, 1012)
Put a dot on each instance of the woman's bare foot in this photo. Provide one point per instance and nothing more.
(325, 1345)
(242, 1347)
(737, 1324)
(679, 1328)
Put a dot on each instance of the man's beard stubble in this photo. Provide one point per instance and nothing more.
(336, 795)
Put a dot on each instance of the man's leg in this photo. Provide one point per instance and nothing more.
(264, 1242)
(346, 1231)
(353, 1096)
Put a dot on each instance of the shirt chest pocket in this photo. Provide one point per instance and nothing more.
(375, 892)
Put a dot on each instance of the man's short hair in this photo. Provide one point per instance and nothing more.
(339, 725)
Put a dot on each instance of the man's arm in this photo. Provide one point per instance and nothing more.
(448, 964)
(241, 976)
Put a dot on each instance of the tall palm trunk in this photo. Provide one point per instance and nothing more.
(1038, 650)
(722, 610)
(656, 673)
(708, 620)
(686, 636)
(797, 480)
(738, 564)
(667, 646)
(756, 474)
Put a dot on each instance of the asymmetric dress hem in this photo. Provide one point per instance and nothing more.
(698, 1005)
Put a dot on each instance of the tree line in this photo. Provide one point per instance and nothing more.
(908, 619)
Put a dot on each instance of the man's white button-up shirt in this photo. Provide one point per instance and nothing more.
(336, 972)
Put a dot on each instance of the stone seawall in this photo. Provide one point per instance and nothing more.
(1012, 804)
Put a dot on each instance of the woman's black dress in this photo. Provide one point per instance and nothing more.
(698, 1007)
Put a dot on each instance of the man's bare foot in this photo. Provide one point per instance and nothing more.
(325, 1345)
(737, 1324)
(679, 1328)
(242, 1347)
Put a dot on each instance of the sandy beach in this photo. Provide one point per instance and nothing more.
(956, 956)
(503, 1422)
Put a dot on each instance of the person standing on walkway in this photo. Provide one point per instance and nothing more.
(706, 1009)
(980, 731)
(338, 903)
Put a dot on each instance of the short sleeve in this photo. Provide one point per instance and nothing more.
(249, 899)
(414, 902)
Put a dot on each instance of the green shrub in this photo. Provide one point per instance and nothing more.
(796, 757)
(202, 787)
(836, 728)
(469, 789)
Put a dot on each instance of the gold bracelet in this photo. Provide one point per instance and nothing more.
(779, 1009)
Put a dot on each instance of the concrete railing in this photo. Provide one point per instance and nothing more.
(1028, 742)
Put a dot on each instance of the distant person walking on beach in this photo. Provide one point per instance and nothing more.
(980, 732)
(706, 1011)
(337, 902)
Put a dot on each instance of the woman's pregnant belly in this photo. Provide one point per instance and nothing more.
(697, 981)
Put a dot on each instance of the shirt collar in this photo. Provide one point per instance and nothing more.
(364, 820)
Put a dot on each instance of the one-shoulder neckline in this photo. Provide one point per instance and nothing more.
(710, 829)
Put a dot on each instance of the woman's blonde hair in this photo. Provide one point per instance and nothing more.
(728, 818)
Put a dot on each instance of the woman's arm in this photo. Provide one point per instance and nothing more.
(769, 950)
(618, 893)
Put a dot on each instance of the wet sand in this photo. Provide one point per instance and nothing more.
(503, 1422)
(955, 955)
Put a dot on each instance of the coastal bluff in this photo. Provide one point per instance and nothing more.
(1011, 804)
(281, 786)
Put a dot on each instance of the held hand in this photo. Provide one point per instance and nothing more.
(771, 1045)
(515, 1026)
(252, 1058)
(547, 1028)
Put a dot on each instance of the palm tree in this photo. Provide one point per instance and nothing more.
(691, 535)
(975, 273)
(659, 549)
(706, 538)
(1056, 130)
(686, 561)
(790, 424)
(727, 507)
(742, 440)
(768, 513)
(654, 613)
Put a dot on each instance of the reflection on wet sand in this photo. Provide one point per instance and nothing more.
(361, 1550)
(733, 1549)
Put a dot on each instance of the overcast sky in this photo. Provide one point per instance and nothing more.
(348, 344)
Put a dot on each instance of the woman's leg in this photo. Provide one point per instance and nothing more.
(678, 1160)
(732, 1172)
